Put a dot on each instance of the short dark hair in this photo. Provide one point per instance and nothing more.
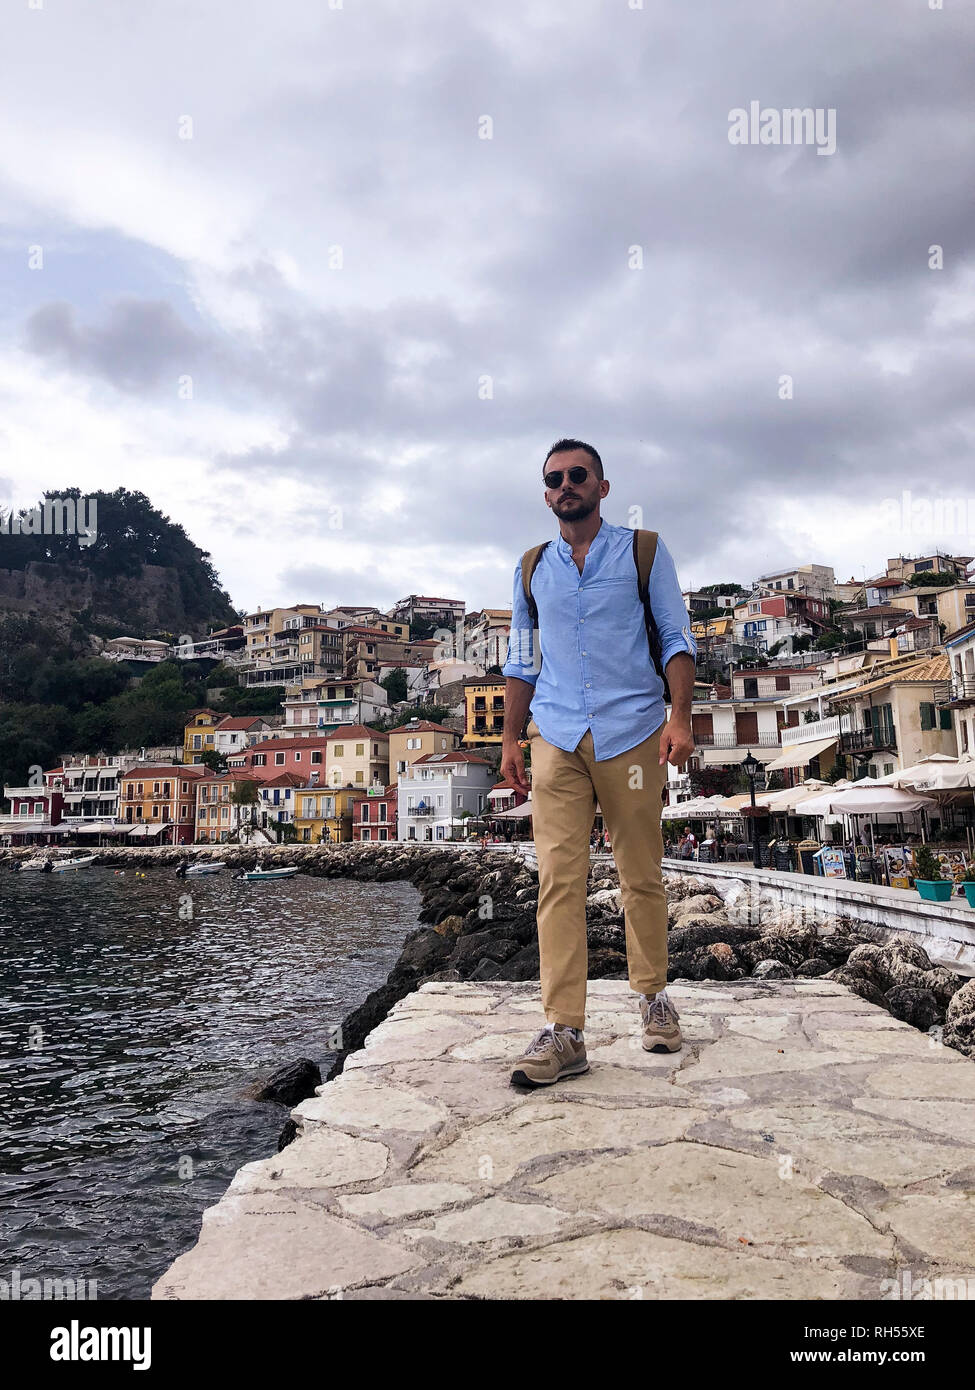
(565, 446)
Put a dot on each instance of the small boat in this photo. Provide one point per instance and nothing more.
(194, 870)
(84, 861)
(269, 873)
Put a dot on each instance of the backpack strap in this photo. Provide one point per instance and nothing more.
(529, 563)
(644, 554)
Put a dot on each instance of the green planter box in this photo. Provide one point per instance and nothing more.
(936, 890)
(969, 892)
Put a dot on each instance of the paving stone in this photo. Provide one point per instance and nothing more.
(273, 1248)
(324, 1158)
(358, 1102)
(941, 1225)
(943, 1073)
(738, 1196)
(630, 1264)
(490, 1220)
(935, 1117)
(404, 1199)
(493, 1151)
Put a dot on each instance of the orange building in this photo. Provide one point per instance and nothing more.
(160, 803)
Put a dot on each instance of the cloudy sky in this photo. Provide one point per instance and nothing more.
(325, 280)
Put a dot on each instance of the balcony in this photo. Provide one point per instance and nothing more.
(421, 810)
(766, 739)
(959, 691)
(868, 741)
(831, 727)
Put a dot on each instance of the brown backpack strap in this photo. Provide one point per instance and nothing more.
(644, 554)
(529, 562)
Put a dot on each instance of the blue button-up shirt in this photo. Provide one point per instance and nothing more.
(592, 668)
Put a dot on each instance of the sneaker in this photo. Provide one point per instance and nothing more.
(661, 1031)
(552, 1054)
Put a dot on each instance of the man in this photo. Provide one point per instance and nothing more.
(599, 732)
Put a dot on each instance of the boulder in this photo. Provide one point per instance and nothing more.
(293, 1082)
(771, 969)
(959, 1029)
(919, 1007)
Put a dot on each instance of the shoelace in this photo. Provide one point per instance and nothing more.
(660, 1009)
(544, 1039)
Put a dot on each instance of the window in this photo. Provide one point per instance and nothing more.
(365, 810)
(259, 760)
(297, 757)
(945, 719)
(927, 715)
(339, 750)
(360, 749)
(197, 741)
(186, 788)
(316, 755)
(155, 812)
(279, 760)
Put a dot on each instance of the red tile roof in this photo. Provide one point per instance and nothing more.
(241, 722)
(354, 731)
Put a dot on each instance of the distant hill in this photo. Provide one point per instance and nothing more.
(138, 573)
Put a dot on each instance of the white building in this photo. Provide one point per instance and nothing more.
(437, 789)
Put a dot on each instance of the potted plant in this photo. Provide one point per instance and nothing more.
(927, 876)
(967, 882)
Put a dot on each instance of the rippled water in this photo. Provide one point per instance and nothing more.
(128, 1033)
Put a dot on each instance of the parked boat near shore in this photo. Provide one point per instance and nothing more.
(268, 873)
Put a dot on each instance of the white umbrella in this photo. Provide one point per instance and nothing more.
(930, 767)
(866, 798)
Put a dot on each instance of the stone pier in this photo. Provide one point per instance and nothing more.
(803, 1144)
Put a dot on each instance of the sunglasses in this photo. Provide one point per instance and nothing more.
(554, 479)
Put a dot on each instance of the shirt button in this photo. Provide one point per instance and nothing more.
(588, 684)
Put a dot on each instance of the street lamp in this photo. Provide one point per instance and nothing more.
(751, 768)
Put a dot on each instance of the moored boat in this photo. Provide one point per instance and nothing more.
(268, 873)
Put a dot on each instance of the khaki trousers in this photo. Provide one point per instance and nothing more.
(565, 789)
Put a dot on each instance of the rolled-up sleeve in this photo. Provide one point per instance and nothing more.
(669, 610)
(522, 638)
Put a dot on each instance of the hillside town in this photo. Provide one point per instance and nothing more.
(817, 680)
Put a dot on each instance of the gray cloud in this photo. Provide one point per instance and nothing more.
(508, 258)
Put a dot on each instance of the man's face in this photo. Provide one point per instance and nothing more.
(573, 501)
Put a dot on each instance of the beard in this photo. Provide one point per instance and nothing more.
(575, 509)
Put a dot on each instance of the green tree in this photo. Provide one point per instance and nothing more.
(395, 685)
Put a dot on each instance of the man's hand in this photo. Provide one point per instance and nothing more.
(513, 767)
(676, 741)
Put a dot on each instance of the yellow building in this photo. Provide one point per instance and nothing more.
(325, 813)
(357, 756)
(484, 712)
(414, 740)
(198, 733)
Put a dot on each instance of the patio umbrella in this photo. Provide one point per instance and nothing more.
(866, 798)
(941, 776)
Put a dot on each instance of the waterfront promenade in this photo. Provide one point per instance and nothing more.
(803, 1144)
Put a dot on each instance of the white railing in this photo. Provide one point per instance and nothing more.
(831, 727)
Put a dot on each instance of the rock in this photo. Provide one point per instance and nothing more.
(471, 950)
(523, 966)
(288, 1135)
(606, 900)
(424, 951)
(916, 1006)
(289, 1084)
(715, 962)
(604, 963)
(449, 926)
(771, 969)
(865, 988)
(959, 1029)
(812, 969)
(698, 903)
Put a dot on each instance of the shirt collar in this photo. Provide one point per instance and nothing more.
(564, 547)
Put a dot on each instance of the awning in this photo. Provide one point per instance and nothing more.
(105, 827)
(143, 828)
(800, 754)
(712, 757)
(513, 813)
